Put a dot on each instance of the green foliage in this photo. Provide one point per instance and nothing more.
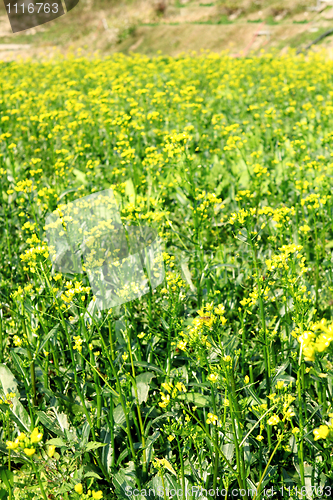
(222, 376)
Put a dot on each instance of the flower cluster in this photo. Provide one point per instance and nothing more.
(310, 342)
(172, 390)
(28, 443)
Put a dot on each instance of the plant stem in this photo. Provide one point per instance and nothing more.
(39, 480)
(142, 431)
(268, 463)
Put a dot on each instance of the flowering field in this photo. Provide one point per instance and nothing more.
(219, 380)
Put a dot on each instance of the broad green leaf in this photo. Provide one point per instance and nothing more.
(8, 384)
(149, 445)
(107, 451)
(47, 338)
(171, 483)
(195, 399)
(118, 415)
(156, 485)
(57, 442)
(92, 474)
(93, 445)
(7, 477)
(123, 484)
(270, 473)
(149, 366)
(130, 191)
(80, 176)
(121, 457)
(142, 383)
(188, 276)
(50, 423)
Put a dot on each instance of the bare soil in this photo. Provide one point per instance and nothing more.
(172, 27)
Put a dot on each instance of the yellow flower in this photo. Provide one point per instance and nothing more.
(220, 309)
(11, 445)
(295, 430)
(97, 495)
(212, 377)
(35, 436)
(171, 438)
(51, 450)
(212, 419)
(280, 384)
(246, 379)
(78, 488)
(273, 420)
(289, 413)
(260, 437)
(181, 387)
(167, 386)
(29, 451)
(21, 436)
(321, 432)
(181, 345)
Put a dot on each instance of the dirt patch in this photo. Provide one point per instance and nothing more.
(239, 26)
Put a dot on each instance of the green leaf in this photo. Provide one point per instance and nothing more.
(143, 383)
(149, 445)
(164, 323)
(93, 445)
(50, 423)
(77, 409)
(17, 361)
(119, 415)
(195, 398)
(121, 457)
(156, 485)
(47, 338)
(149, 366)
(8, 384)
(130, 191)
(122, 484)
(188, 276)
(80, 176)
(107, 451)
(92, 474)
(172, 483)
(279, 370)
(57, 442)
(270, 473)
(7, 477)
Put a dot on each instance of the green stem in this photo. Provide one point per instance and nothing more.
(39, 480)
(263, 323)
(1, 338)
(163, 485)
(142, 431)
(181, 468)
(236, 416)
(300, 414)
(32, 364)
(216, 437)
(268, 463)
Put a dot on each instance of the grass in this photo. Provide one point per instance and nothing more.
(306, 37)
(219, 375)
